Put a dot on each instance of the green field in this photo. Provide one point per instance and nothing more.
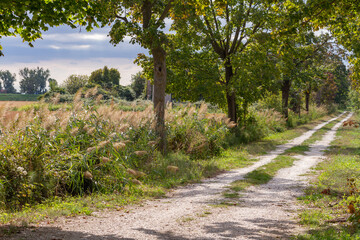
(18, 97)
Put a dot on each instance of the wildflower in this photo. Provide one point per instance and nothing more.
(98, 98)
(22, 171)
(88, 175)
(135, 181)
(172, 169)
(119, 145)
(74, 131)
(103, 144)
(140, 153)
(231, 124)
(52, 134)
(113, 135)
(131, 171)
(91, 130)
(90, 149)
(203, 108)
(105, 159)
(127, 141)
(136, 174)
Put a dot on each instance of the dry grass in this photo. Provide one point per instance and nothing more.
(12, 104)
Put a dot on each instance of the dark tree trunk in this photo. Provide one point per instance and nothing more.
(159, 56)
(231, 102)
(230, 94)
(307, 99)
(285, 92)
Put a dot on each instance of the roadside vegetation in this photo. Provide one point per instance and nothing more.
(89, 155)
(331, 205)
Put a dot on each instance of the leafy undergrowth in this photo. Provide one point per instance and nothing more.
(332, 202)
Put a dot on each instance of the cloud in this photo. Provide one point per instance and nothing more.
(70, 47)
(76, 37)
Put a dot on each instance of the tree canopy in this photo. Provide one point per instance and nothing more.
(105, 77)
(28, 19)
(8, 80)
(33, 80)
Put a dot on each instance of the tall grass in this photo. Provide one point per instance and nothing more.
(94, 147)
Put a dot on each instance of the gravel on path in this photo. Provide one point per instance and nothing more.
(188, 213)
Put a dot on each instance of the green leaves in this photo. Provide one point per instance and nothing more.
(28, 19)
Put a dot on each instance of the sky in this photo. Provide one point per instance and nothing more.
(65, 51)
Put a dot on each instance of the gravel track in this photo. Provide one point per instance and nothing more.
(189, 213)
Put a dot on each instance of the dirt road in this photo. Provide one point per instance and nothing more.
(196, 212)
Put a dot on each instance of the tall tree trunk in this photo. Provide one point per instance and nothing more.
(285, 92)
(307, 99)
(230, 94)
(159, 56)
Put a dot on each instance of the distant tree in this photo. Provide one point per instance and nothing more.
(74, 82)
(105, 77)
(138, 84)
(342, 80)
(327, 91)
(8, 80)
(53, 84)
(34, 80)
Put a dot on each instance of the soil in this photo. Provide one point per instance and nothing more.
(200, 211)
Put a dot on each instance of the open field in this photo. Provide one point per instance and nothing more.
(12, 104)
(18, 97)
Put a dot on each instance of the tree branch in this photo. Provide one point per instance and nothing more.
(146, 10)
(217, 48)
(165, 12)
(122, 18)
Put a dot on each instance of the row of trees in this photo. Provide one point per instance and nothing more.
(34, 81)
(248, 44)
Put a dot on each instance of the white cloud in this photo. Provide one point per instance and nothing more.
(74, 37)
(60, 69)
(69, 47)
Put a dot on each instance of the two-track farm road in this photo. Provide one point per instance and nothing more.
(189, 213)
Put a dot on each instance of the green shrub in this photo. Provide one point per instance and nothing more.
(259, 124)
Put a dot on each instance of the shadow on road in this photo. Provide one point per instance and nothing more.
(10, 232)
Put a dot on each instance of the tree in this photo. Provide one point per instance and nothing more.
(327, 91)
(144, 22)
(200, 75)
(138, 84)
(228, 28)
(8, 80)
(74, 82)
(28, 19)
(33, 80)
(296, 53)
(105, 77)
(53, 84)
(342, 80)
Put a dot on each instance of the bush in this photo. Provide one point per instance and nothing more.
(259, 124)
(196, 132)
